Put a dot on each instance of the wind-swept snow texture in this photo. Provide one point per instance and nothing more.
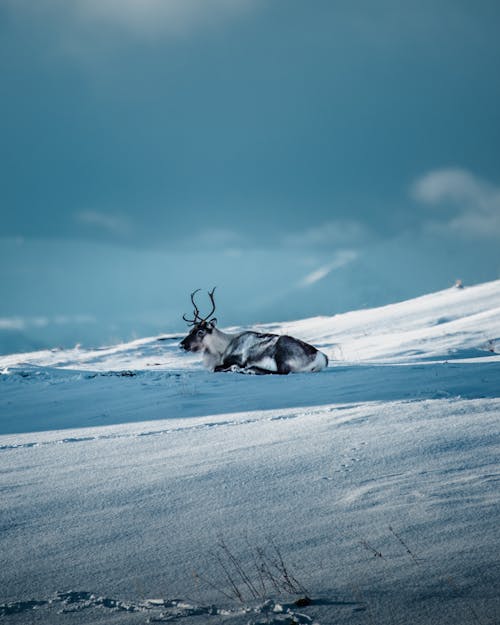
(137, 487)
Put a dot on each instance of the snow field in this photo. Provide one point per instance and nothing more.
(122, 469)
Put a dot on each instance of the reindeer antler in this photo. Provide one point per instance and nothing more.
(197, 318)
(211, 296)
(196, 311)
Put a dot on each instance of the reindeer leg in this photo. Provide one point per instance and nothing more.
(231, 363)
(248, 370)
(259, 371)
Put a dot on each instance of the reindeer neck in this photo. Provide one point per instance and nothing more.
(218, 341)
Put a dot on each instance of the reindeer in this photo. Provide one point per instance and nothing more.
(248, 352)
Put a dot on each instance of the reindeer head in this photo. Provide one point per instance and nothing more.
(202, 326)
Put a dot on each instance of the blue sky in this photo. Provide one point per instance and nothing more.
(306, 157)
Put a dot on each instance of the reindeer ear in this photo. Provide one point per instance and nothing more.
(213, 322)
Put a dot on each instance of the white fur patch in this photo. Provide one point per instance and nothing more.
(266, 363)
(319, 363)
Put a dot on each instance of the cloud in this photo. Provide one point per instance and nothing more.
(11, 323)
(23, 323)
(330, 234)
(171, 16)
(116, 225)
(144, 18)
(457, 185)
(342, 258)
(474, 202)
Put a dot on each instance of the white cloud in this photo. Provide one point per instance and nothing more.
(475, 202)
(342, 258)
(174, 16)
(12, 323)
(23, 323)
(332, 233)
(138, 17)
(457, 185)
(112, 224)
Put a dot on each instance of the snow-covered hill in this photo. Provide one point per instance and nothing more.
(154, 490)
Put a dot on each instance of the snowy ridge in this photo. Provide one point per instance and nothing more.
(124, 469)
(439, 325)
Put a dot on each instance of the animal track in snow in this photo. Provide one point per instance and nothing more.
(348, 460)
(159, 432)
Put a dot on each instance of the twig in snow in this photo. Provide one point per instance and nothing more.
(267, 572)
(408, 550)
(364, 543)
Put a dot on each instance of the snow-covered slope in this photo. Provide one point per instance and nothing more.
(129, 473)
(440, 325)
(448, 324)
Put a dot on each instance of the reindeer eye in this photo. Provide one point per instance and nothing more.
(201, 333)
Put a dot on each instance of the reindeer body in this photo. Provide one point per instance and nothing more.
(250, 352)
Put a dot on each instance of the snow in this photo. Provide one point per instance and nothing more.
(125, 470)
